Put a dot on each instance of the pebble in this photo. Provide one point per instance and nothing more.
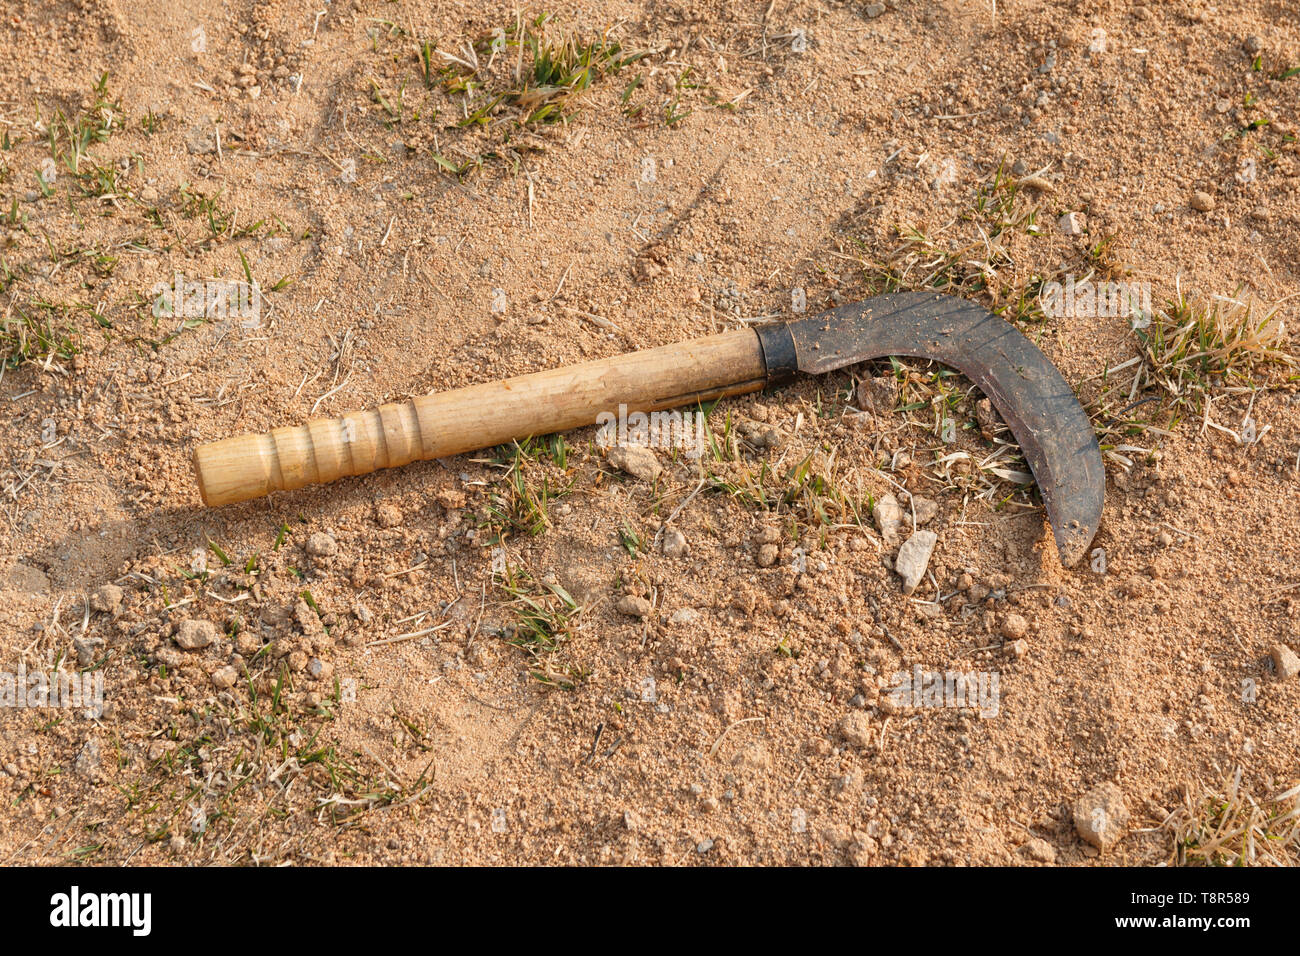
(675, 545)
(322, 545)
(1014, 627)
(1016, 649)
(1285, 662)
(1073, 223)
(319, 669)
(107, 598)
(1253, 45)
(914, 557)
(1040, 850)
(87, 762)
(879, 395)
(1202, 201)
(633, 606)
(873, 10)
(1101, 815)
(85, 648)
(247, 645)
(685, 615)
(926, 509)
(223, 678)
(767, 555)
(889, 518)
(636, 461)
(856, 729)
(194, 635)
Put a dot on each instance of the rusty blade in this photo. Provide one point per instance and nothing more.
(1037, 403)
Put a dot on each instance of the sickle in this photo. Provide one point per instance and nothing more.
(1036, 402)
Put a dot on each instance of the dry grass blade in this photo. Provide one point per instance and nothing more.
(1230, 826)
(1202, 344)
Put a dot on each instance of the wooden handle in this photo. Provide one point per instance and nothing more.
(480, 416)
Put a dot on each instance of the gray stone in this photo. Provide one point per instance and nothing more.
(889, 518)
(633, 606)
(1285, 662)
(636, 461)
(675, 545)
(856, 729)
(88, 759)
(195, 635)
(1101, 815)
(1073, 223)
(914, 557)
(107, 598)
(322, 545)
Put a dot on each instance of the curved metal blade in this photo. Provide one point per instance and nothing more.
(1039, 405)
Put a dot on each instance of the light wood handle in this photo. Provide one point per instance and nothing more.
(480, 416)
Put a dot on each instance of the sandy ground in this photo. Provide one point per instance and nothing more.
(718, 697)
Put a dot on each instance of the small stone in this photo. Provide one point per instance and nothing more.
(837, 836)
(873, 10)
(199, 141)
(318, 669)
(388, 515)
(1253, 45)
(1040, 850)
(987, 418)
(106, 599)
(159, 749)
(856, 729)
(194, 635)
(766, 556)
(636, 461)
(362, 613)
(1285, 662)
(926, 509)
(223, 678)
(767, 535)
(1073, 223)
(879, 395)
(685, 615)
(633, 606)
(704, 846)
(862, 851)
(1101, 815)
(88, 759)
(1164, 539)
(1014, 627)
(1016, 649)
(86, 649)
(675, 545)
(322, 545)
(914, 557)
(247, 645)
(889, 518)
(1202, 201)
